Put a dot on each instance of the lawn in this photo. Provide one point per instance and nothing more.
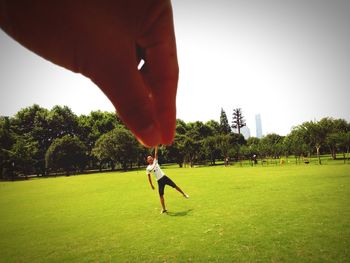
(234, 214)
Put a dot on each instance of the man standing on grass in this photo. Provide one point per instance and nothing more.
(162, 179)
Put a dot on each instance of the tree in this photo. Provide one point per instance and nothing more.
(287, 146)
(23, 156)
(141, 154)
(332, 128)
(191, 150)
(198, 131)
(245, 152)
(237, 139)
(214, 126)
(272, 143)
(118, 146)
(296, 143)
(253, 141)
(316, 134)
(212, 151)
(224, 125)
(92, 126)
(175, 152)
(67, 153)
(24, 120)
(33, 124)
(238, 120)
(6, 141)
(181, 127)
(62, 121)
(331, 141)
(223, 142)
(343, 143)
(253, 144)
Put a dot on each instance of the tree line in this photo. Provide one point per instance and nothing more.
(38, 141)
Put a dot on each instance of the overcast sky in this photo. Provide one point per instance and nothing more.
(287, 60)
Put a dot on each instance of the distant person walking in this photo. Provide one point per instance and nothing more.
(161, 178)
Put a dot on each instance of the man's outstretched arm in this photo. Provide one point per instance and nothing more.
(150, 181)
(156, 153)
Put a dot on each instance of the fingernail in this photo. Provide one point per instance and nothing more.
(149, 136)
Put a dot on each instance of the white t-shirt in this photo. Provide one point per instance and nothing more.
(155, 168)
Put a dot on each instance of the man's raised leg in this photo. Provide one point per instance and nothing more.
(163, 204)
(179, 190)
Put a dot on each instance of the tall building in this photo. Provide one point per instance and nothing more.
(258, 126)
(245, 131)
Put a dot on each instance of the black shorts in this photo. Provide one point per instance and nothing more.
(165, 180)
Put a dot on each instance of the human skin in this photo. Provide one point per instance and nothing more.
(104, 41)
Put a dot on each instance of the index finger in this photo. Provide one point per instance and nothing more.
(161, 70)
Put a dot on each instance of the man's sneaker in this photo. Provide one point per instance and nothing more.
(186, 196)
(163, 211)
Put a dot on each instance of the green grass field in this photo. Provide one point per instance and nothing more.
(250, 214)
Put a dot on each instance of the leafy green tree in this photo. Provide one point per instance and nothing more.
(195, 130)
(97, 123)
(67, 153)
(264, 151)
(175, 152)
(253, 142)
(245, 152)
(6, 141)
(141, 154)
(33, 124)
(23, 156)
(203, 130)
(62, 121)
(272, 143)
(191, 150)
(238, 139)
(343, 143)
(212, 151)
(119, 146)
(42, 136)
(223, 142)
(43, 127)
(92, 126)
(181, 127)
(315, 135)
(331, 141)
(224, 125)
(287, 146)
(191, 142)
(297, 144)
(332, 127)
(214, 126)
(236, 142)
(229, 145)
(24, 120)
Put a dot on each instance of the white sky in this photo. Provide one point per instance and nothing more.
(287, 60)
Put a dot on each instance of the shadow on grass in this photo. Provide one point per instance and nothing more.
(180, 213)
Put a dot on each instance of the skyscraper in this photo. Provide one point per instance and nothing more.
(245, 131)
(258, 126)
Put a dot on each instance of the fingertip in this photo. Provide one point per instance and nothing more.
(167, 138)
(149, 136)
(167, 123)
